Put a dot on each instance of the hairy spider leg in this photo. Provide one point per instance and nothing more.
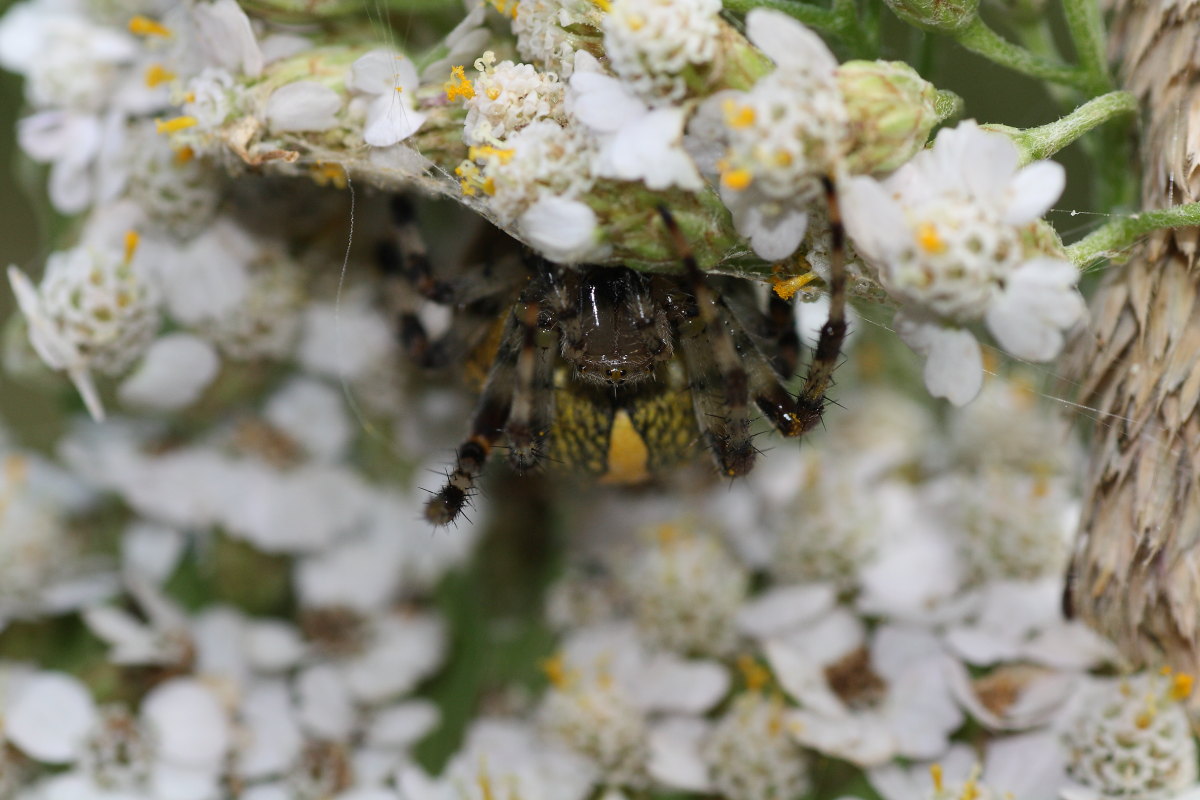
(403, 259)
(781, 315)
(720, 387)
(487, 426)
(532, 412)
(767, 388)
(833, 332)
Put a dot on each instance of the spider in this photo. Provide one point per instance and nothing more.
(611, 371)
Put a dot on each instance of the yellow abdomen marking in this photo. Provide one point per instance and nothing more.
(628, 456)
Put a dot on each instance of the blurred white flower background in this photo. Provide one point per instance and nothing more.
(216, 576)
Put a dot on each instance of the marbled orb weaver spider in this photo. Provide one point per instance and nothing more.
(609, 371)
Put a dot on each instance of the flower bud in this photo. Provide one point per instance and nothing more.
(892, 109)
(945, 16)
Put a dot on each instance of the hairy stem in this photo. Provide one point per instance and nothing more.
(1121, 234)
(979, 38)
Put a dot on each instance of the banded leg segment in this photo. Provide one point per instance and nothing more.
(487, 426)
(404, 261)
(533, 394)
(833, 333)
(720, 385)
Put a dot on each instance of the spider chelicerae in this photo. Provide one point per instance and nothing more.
(611, 371)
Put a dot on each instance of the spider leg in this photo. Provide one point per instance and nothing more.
(533, 395)
(487, 426)
(782, 318)
(719, 383)
(767, 387)
(829, 344)
(403, 259)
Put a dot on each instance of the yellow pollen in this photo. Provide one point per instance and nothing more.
(636, 22)
(493, 93)
(485, 786)
(399, 88)
(603, 5)
(668, 534)
(737, 179)
(1164, 670)
(755, 675)
(325, 173)
(738, 116)
(184, 154)
(1181, 686)
(787, 287)
(175, 124)
(462, 90)
(144, 26)
(487, 151)
(783, 158)
(555, 670)
(929, 240)
(190, 97)
(506, 7)
(970, 790)
(1143, 720)
(935, 772)
(131, 245)
(157, 74)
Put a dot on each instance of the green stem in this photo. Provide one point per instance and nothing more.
(1087, 34)
(841, 20)
(1120, 234)
(1045, 141)
(979, 38)
(822, 19)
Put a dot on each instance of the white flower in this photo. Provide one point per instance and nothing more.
(685, 591)
(266, 322)
(467, 38)
(92, 312)
(225, 37)
(1030, 767)
(508, 97)
(69, 61)
(944, 234)
(302, 106)
(636, 143)
(1013, 525)
(209, 276)
(914, 717)
(543, 30)
(50, 717)
(1132, 740)
(565, 231)
(541, 161)
(189, 735)
(607, 688)
(174, 372)
(344, 341)
(650, 44)
(783, 136)
(751, 753)
(503, 757)
(390, 82)
(312, 414)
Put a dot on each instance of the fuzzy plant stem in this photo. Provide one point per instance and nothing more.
(977, 37)
(1121, 234)
(1046, 140)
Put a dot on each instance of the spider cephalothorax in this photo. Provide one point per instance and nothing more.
(610, 371)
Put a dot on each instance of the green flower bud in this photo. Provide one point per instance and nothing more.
(945, 16)
(892, 109)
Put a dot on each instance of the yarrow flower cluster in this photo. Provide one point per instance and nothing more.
(222, 585)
